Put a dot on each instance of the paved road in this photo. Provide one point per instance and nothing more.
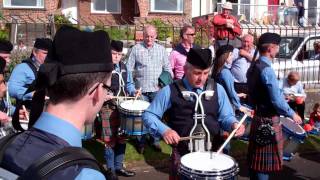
(302, 167)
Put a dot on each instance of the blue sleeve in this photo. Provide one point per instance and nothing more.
(90, 174)
(228, 84)
(130, 86)
(268, 78)
(21, 76)
(225, 112)
(153, 115)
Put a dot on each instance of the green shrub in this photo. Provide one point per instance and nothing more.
(117, 33)
(4, 34)
(16, 57)
(164, 30)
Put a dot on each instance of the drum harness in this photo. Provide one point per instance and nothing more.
(199, 116)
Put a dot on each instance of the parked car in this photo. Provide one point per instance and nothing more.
(295, 54)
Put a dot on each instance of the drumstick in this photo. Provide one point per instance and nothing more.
(191, 137)
(232, 133)
(25, 112)
(138, 94)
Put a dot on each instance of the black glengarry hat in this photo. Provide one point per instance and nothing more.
(116, 45)
(74, 51)
(200, 58)
(223, 49)
(2, 65)
(43, 43)
(5, 46)
(267, 38)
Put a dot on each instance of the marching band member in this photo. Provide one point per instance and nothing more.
(219, 113)
(265, 140)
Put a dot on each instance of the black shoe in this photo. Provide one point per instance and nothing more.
(111, 175)
(156, 147)
(140, 150)
(125, 173)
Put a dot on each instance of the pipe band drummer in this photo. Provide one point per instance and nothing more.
(218, 110)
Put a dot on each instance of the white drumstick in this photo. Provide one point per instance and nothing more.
(232, 133)
(25, 112)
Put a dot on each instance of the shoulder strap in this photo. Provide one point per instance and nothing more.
(60, 159)
(31, 65)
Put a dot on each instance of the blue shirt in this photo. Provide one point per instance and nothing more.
(130, 85)
(21, 76)
(226, 79)
(152, 116)
(269, 78)
(66, 131)
(240, 66)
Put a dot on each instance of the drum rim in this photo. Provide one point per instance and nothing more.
(128, 111)
(235, 166)
(233, 169)
(290, 132)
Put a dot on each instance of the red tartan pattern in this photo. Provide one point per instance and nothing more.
(265, 158)
(110, 125)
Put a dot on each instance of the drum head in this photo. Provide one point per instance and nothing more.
(291, 126)
(201, 161)
(135, 105)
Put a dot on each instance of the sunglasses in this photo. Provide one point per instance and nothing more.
(191, 34)
(106, 87)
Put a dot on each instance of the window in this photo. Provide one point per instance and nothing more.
(106, 6)
(175, 6)
(23, 3)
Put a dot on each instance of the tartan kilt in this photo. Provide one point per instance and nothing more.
(110, 120)
(266, 158)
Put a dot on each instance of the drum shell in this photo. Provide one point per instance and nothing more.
(291, 139)
(189, 173)
(131, 122)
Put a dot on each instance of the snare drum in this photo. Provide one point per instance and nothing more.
(131, 117)
(200, 166)
(293, 135)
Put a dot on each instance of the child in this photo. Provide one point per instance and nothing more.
(314, 120)
(115, 145)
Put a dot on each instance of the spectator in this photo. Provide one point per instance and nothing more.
(3, 88)
(178, 56)
(20, 46)
(282, 14)
(241, 62)
(314, 120)
(212, 46)
(300, 14)
(147, 61)
(294, 93)
(316, 55)
(226, 26)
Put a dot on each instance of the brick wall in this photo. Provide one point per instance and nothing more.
(86, 17)
(32, 15)
(128, 14)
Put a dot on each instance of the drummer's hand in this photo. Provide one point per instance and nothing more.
(242, 95)
(138, 92)
(171, 137)
(4, 117)
(297, 118)
(108, 97)
(240, 131)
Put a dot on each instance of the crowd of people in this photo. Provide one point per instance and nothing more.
(80, 73)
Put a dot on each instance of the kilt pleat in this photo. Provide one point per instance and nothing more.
(266, 158)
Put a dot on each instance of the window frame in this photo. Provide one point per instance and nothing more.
(152, 6)
(6, 5)
(105, 11)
